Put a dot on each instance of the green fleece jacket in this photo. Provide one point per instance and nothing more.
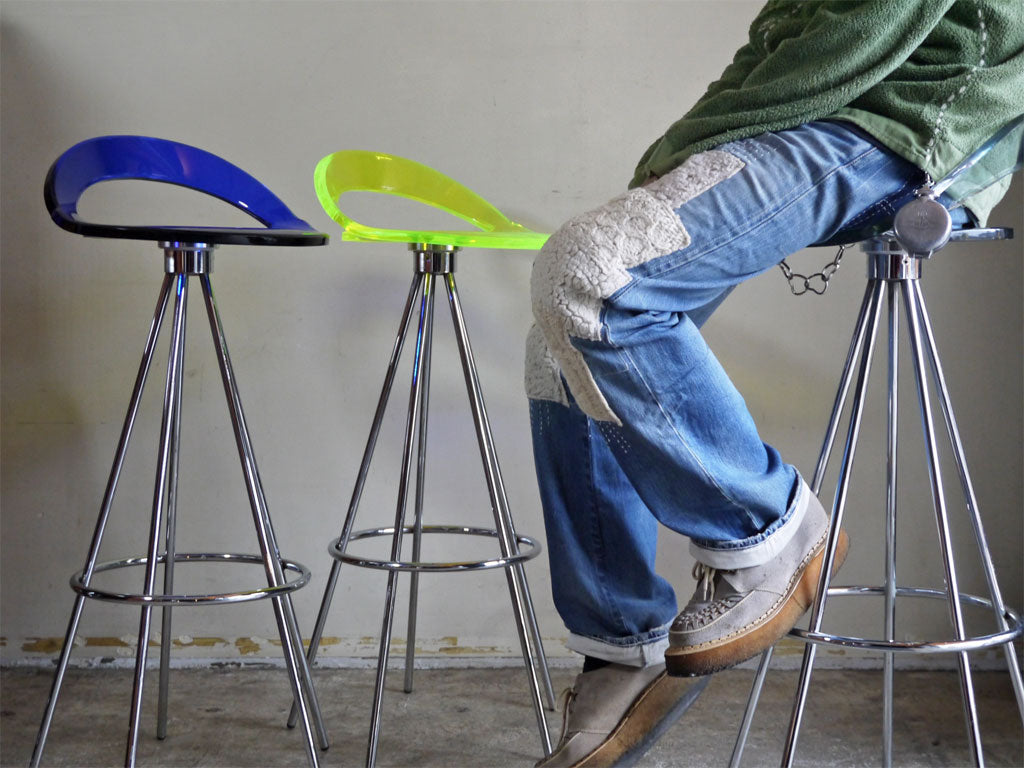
(930, 79)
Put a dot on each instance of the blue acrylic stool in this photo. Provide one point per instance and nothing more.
(187, 252)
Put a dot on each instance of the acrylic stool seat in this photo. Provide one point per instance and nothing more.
(187, 253)
(434, 255)
(895, 262)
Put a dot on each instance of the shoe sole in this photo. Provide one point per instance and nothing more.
(707, 659)
(655, 710)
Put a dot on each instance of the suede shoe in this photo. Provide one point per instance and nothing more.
(736, 614)
(614, 714)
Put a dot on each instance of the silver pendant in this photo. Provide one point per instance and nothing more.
(923, 225)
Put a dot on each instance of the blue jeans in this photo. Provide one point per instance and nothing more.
(634, 421)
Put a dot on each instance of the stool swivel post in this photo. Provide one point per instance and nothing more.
(895, 273)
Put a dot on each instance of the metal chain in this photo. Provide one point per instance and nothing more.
(816, 283)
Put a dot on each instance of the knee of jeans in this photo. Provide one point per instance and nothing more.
(588, 260)
(581, 265)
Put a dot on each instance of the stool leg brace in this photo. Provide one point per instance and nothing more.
(894, 272)
(430, 263)
(183, 261)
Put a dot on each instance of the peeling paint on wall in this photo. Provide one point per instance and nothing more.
(249, 646)
(187, 646)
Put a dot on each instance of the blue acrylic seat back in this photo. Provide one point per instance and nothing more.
(110, 158)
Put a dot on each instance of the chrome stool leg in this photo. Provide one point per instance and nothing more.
(999, 607)
(364, 469)
(299, 676)
(411, 428)
(892, 268)
(101, 522)
(506, 517)
(836, 521)
(524, 622)
(168, 561)
(892, 445)
(845, 381)
(421, 462)
(912, 299)
(164, 477)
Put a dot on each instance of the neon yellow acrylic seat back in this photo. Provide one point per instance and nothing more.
(433, 266)
(361, 171)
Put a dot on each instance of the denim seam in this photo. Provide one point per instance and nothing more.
(596, 537)
(641, 638)
(711, 248)
(885, 204)
(682, 440)
(759, 538)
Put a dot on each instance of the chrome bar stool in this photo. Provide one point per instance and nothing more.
(895, 261)
(434, 257)
(187, 253)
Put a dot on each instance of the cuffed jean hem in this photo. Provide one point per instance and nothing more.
(639, 654)
(764, 549)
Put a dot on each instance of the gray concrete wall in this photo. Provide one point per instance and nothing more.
(543, 108)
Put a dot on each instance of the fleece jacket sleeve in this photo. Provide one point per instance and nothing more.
(803, 60)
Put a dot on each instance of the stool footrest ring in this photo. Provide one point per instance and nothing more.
(533, 549)
(88, 590)
(1014, 630)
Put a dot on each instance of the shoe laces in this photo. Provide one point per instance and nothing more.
(709, 608)
(705, 576)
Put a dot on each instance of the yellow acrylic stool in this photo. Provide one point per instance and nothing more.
(434, 254)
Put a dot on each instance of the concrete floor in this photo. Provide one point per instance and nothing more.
(482, 717)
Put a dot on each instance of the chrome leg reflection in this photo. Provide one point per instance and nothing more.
(835, 524)
(892, 294)
(421, 477)
(415, 398)
(502, 521)
(364, 469)
(301, 684)
(999, 607)
(101, 522)
(910, 296)
(172, 400)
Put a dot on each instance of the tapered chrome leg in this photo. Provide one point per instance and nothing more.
(421, 464)
(429, 265)
(364, 469)
(845, 380)
(302, 689)
(519, 569)
(900, 274)
(172, 402)
(169, 550)
(101, 523)
(502, 522)
(412, 420)
(953, 591)
(999, 607)
(835, 524)
(890, 521)
(287, 606)
(748, 714)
